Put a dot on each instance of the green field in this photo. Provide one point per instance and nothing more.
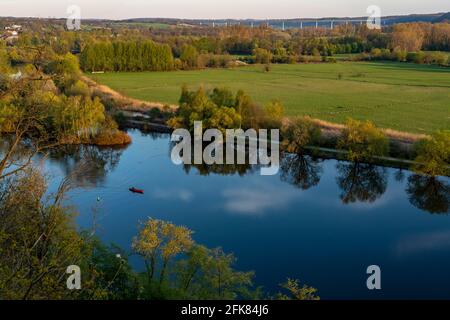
(401, 96)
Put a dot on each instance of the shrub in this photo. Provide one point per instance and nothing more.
(400, 55)
(433, 155)
(363, 141)
(111, 138)
(262, 56)
(274, 114)
(300, 132)
(79, 88)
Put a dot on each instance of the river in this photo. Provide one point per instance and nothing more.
(320, 221)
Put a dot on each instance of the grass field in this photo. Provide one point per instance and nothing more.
(400, 96)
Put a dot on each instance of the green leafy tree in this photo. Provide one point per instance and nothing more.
(189, 57)
(363, 141)
(433, 155)
(158, 242)
(299, 133)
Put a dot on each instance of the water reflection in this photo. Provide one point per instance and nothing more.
(429, 193)
(301, 171)
(361, 182)
(87, 166)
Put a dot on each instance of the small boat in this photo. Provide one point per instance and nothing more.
(134, 190)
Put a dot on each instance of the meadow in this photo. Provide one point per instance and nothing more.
(401, 96)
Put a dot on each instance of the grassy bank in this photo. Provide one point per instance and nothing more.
(405, 97)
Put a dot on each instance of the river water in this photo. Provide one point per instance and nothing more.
(320, 221)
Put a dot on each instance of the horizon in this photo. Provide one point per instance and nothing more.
(225, 18)
(204, 10)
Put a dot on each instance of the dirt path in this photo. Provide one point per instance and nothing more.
(127, 103)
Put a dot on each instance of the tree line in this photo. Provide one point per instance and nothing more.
(127, 56)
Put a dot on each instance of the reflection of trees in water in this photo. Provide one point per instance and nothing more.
(429, 193)
(87, 166)
(361, 182)
(400, 175)
(301, 171)
(221, 169)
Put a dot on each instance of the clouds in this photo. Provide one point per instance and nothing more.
(421, 243)
(173, 194)
(257, 200)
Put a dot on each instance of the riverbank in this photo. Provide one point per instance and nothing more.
(136, 114)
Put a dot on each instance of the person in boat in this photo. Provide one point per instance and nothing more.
(135, 190)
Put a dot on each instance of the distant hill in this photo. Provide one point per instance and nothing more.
(443, 18)
(295, 23)
(274, 23)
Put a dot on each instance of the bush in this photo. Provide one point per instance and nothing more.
(433, 155)
(189, 57)
(79, 88)
(262, 56)
(274, 114)
(400, 55)
(111, 138)
(309, 59)
(300, 132)
(363, 141)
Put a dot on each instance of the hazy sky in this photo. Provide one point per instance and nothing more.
(119, 9)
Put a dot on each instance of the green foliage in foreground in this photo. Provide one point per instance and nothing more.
(400, 96)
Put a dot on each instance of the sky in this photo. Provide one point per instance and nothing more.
(217, 9)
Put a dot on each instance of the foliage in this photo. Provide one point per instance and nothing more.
(433, 155)
(299, 133)
(262, 56)
(363, 141)
(196, 273)
(200, 106)
(127, 56)
(38, 241)
(296, 292)
(159, 242)
(208, 274)
(189, 57)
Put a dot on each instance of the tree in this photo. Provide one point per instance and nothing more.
(38, 241)
(274, 114)
(433, 155)
(262, 56)
(189, 57)
(23, 113)
(408, 37)
(363, 141)
(299, 133)
(208, 274)
(199, 106)
(296, 292)
(158, 242)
